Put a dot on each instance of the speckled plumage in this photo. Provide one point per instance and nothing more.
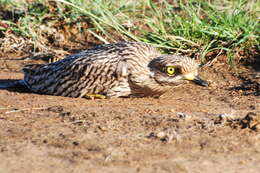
(113, 70)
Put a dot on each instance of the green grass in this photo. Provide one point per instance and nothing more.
(187, 27)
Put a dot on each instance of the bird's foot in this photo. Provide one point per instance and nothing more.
(95, 96)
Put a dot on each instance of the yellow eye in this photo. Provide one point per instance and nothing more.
(170, 70)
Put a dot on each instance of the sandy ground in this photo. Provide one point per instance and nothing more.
(188, 130)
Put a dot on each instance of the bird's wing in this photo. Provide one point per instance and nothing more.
(32, 68)
(91, 71)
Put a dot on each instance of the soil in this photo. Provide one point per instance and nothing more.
(190, 129)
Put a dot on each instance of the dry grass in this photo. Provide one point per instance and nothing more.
(194, 28)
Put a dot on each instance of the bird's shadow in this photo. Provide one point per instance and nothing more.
(13, 85)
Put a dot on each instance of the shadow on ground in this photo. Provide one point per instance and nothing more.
(13, 85)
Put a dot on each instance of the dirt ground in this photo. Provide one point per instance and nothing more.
(188, 130)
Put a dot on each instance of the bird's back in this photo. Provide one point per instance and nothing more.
(91, 71)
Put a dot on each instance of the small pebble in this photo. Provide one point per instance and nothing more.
(161, 135)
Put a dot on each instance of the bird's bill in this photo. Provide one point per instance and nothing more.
(196, 79)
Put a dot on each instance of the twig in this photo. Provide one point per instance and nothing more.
(25, 109)
(212, 61)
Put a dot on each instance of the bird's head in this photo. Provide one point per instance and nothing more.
(172, 70)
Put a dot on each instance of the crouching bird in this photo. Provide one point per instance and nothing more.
(121, 69)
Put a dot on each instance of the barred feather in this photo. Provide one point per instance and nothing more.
(113, 70)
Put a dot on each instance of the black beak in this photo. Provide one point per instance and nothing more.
(197, 80)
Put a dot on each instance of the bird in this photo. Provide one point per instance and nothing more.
(122, 69)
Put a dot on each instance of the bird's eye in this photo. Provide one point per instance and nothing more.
(170, 70)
